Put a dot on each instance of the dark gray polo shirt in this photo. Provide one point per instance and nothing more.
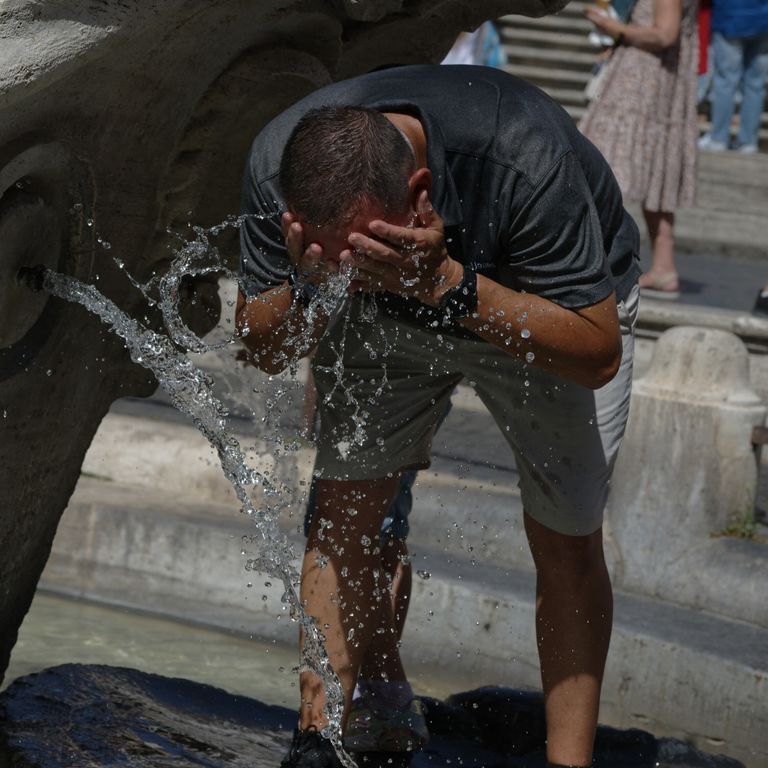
(525, 198)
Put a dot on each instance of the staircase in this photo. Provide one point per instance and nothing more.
(554, 53)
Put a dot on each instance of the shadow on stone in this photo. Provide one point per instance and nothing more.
(77, 715)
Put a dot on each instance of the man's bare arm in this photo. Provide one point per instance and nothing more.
(663, 33)
(583, 344)
(273, 327)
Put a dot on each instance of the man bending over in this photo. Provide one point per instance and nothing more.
(486, 239)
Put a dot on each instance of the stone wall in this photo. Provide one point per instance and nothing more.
(121, 120)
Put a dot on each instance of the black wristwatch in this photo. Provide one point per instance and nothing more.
(461, 300)
(302, 289)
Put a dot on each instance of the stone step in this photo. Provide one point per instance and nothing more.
(557, 22)
(554, 76)
(733, 182)
(133, 546)
(663, 665)
(137, 549)
(732, 190)
(514, 37)
(471, 506)
(551, 50)
(532, 55)
(570, 98)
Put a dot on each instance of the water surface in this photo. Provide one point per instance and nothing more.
(59, 630)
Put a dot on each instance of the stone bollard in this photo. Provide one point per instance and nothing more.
(686, 470)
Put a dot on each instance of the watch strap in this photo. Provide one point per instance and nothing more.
(302, 289)
(461, 300)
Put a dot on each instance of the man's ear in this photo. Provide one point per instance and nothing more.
(419, 181)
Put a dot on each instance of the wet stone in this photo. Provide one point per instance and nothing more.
(73, 716)
(76, 715)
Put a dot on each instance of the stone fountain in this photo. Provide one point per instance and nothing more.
(122, 121)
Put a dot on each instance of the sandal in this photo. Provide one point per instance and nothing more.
(660, 285)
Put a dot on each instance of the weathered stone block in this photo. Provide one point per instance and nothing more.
(686, 470)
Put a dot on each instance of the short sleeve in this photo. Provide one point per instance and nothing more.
(555, 245)
(264, 262)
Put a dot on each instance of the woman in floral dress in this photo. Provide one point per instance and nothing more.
(643, 119)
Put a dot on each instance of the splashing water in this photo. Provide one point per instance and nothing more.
(191, 392)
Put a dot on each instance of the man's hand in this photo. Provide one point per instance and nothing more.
(410, 261)
(307, 258)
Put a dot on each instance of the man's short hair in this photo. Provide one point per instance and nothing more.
(340, 159)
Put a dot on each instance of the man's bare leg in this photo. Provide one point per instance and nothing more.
(343, 586)
(663, 272)
(574, 613)
(382, 661)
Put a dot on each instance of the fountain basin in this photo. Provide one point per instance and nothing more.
(75, 715)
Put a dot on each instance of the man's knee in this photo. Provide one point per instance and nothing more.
(568, 556)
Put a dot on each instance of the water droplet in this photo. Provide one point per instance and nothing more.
(343, 447)
(525, 333)
(529, 357)
(423, 574)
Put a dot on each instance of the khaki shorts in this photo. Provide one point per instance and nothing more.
(383, 383)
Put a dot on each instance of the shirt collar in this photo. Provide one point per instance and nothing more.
(444, 196)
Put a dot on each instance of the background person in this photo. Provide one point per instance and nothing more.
(483, 46)
(705, 34)
(739, 59)
(644, 120)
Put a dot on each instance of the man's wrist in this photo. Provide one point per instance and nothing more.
(452, 277)
(460, 301)
(303, 290)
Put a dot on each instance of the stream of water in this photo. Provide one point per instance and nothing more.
(191, 392)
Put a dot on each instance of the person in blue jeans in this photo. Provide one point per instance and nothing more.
(739, 57)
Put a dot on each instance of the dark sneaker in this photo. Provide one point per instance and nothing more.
(761, 303)
(310, 750)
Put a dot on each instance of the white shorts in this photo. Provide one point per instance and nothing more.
(383, 383)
